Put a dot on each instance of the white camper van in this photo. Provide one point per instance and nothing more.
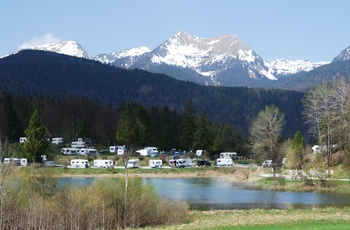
(224, 162)
(119, 150)
(57, 140)
(155, 163)
(88, 152)
(103, 163)
(70, 151)
(22, 140)
(79, 144)
(133, 163)
(231, 155)
(16, 161)
(148, 151)
(79, 163)
(199, 153)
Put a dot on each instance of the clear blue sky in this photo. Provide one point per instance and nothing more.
(315, 30)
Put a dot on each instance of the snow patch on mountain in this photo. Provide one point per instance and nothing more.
(111, 57)
(286, 67)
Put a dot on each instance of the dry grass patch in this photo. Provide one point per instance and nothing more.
(236, 218)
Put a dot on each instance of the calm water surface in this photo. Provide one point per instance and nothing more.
(214, 193)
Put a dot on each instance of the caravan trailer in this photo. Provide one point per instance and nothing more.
(148, 151)
(70, 151)
(133, 163)
(79, 163)
(57, 140)
(88, 152)
(232, 155)
(16, 161)
(103, 163)
(224, 162)
(22, 140)
(79, 144)
(119, 150)
(155, 163)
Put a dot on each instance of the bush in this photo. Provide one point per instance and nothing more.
(39, 204)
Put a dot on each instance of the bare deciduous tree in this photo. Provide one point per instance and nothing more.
(266, 131)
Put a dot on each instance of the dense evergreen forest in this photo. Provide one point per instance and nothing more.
(80, 117)
(69, 90)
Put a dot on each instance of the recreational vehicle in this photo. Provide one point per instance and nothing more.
(70, 151)
(57, 140)
(78, 144)
(148, 151)
(155, 163)
(181, 163)
(186, 162)
(133, 163)
(22, 140)
(231, 155)
(224, 162)
(80, 163)
(119, 150)
(199, 153)
(16, 161)
(88, 152)
(103, 163)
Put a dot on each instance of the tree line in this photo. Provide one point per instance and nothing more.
(80, 117)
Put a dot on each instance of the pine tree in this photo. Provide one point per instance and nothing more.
(83, 130)
(297, 151)
(144, 125)
(127, 133)
(37, 138)
(202, 138)
(188, 127)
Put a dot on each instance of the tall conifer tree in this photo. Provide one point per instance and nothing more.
(37, 138)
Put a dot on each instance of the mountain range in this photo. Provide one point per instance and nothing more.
(220, 61)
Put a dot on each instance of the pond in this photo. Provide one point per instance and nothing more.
(216, 193)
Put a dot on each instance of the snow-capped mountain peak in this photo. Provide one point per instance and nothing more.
(286, 67)
(210, 56)
(70, 48)
(343, 56)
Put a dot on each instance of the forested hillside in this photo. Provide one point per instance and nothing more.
(47, 74)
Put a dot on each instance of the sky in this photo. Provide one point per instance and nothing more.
(315, 30)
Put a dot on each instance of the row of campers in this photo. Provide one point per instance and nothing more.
(83, 163)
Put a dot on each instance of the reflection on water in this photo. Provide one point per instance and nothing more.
(214, 193)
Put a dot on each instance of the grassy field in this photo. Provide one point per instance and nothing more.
(328, 218)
